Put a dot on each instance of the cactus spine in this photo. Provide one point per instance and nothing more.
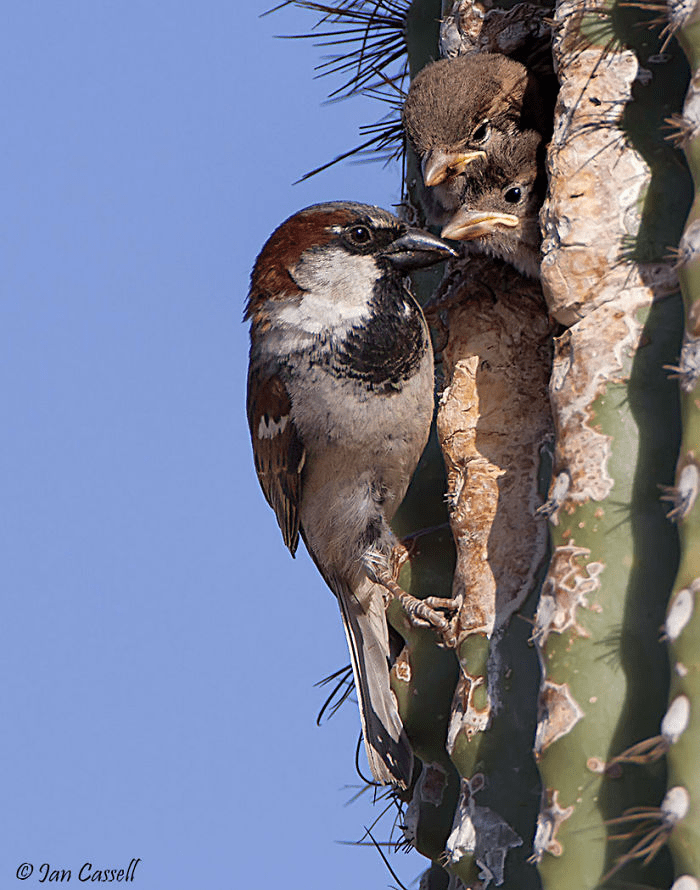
(682, 627)
(583, 689)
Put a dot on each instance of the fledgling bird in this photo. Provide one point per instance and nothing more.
(499, 212)
(479, 123)
(340, 400)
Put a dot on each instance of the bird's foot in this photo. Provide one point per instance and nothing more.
(423, 612)
(433, 611)
(400, 555)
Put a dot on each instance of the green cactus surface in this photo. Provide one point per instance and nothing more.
(555, 728)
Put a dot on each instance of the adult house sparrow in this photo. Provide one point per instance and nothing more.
(499, 211)
(340, 400)
(479, 124)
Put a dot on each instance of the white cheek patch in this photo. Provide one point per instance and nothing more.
(268, 428)
(337, 288)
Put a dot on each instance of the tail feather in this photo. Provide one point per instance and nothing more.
(388, 750)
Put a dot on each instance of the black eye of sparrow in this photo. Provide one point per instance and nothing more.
(482, 133)
(513, 195)
(360, 235)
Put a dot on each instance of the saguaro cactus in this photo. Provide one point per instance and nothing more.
(542, 732)
(682, 627)
(614, 551)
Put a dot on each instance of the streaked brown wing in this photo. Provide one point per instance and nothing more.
(279, 454)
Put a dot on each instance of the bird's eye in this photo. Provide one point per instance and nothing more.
(513, 195)
(360, 235)
(482, 133)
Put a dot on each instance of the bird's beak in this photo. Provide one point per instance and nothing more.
(416, 248)
(437, 165)
(468, 224)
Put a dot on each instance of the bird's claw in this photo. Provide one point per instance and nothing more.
(425, 612)
(421, 612)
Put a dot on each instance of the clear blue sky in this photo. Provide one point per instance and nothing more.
(158, 646)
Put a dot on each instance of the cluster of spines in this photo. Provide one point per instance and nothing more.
(640, 831)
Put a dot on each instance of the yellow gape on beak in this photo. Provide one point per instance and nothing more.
(466, 225)
(440, 165)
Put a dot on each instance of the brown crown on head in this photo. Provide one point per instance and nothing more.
(450, 99)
